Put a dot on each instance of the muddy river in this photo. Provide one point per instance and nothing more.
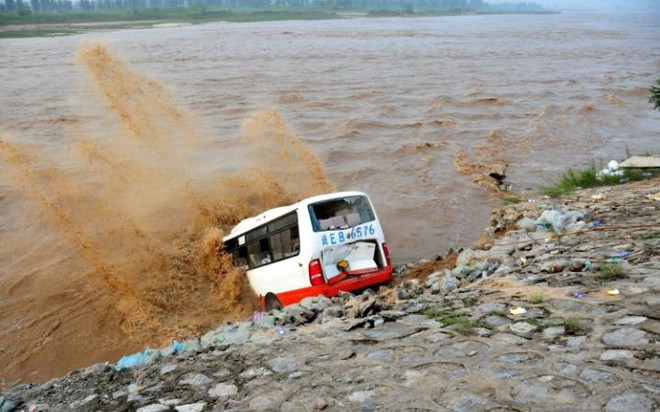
(125, 154)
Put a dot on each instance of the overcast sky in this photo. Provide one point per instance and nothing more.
(593, 4)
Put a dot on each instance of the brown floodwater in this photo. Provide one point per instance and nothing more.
(124, 155)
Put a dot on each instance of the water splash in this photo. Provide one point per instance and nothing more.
(144, 225)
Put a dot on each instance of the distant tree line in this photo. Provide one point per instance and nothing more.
(64, 6)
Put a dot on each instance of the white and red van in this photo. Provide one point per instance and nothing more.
(318, 246)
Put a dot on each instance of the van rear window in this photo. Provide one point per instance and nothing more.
(341, 213)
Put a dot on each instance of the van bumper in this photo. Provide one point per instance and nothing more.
(347, 284)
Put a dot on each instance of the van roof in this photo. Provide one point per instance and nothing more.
(255, 221)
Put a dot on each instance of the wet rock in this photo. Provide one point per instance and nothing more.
(627, 402)
(297, 315)
(626, 337)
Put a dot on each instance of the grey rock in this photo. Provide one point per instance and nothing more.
(167, 351)
(222, 390)
(195, 379)
(509, 339)
(264, 402)
(333, 312)
(573, 341)
(8, 406)
(522, 328)
(595, 375)
(616, 354)
(553, 332)
(630, 320)
(494, 321)
(320, 404)
(626, 337)
(237, 336)
(165, 369)
(170, 402)
(526, 224)
(297, 315)
(283, 364)
(82, 402)
(628, 402)
(154, 407)
(192, 345)
(251, 373)
(266, 322)
(191, 407)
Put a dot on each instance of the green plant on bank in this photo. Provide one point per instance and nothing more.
(537, 298)
(506, 201)
(649, 235)
(540, 323)
(575, 326)
(572, 180)
(463, 323)
(469, 302)
(433, 313)
(655, 95)
(610, 271)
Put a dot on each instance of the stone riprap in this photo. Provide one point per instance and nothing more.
(551, 311)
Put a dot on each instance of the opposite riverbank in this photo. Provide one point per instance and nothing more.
(554, 308)
(63, 24)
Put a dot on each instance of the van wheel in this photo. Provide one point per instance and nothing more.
(272, 303)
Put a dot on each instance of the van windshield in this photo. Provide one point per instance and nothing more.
(340, 213)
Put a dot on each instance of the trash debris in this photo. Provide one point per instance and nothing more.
(257, 315)
(611, 170)
(137, 359)
(531, 200)
(279, 330)
(232, 328)
(598, 196)
(559, 220)
(579, 295)
(621, 255)
(613, 292)
(518, 311)
(178, 346)
(523, 260)
(596, 223)
(615, 260)
(587, 265)
(655, 196)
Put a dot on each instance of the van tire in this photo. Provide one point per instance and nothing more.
(272, 303)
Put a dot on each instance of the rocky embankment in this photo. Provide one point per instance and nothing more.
(556, 308)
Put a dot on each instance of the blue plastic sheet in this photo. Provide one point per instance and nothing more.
(137, 359)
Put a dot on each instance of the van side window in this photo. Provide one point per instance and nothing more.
(266, 244)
